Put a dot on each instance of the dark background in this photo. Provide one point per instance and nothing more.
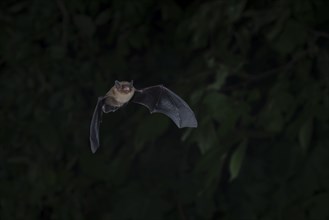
(255, 72)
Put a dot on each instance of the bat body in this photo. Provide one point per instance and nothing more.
(155, 98)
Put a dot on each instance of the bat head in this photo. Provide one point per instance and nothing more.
(124, 86)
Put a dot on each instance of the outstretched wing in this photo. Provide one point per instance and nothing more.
(94, 125)
(160, 99)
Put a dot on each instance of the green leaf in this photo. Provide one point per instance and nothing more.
(57, 51)
(196, 96)
(254, 95)
(207, 136)
(209, 169)
(237, 159)
(85, 25)
(221, 76)
(293, 35)
(103, 18)
(235, 9)
(217, 105)
(305, 134)
(153, 127)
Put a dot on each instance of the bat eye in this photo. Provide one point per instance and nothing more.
(117, 84)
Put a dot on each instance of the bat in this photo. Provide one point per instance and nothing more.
(156, 98)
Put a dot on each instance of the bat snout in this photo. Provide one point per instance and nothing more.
(126, 89)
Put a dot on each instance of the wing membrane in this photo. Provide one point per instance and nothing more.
(94, 125)
(161, 99)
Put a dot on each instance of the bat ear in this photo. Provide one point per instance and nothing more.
(117, 83)
(132, 82)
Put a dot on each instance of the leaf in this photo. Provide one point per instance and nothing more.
(254, 95)
(209, 169)
(221, 76)
(207, 136)
(103, 18)
(85, 25)
(293, 35)
(237, 159)
(57, 51)
(196, 96)
(217, 105)
(147, 131)
(235, 10)
(305, 134)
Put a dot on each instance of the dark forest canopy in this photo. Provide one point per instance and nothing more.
(256, 73)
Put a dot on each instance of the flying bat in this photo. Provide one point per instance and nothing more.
(155, 98)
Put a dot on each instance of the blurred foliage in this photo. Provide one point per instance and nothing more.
(255, 72)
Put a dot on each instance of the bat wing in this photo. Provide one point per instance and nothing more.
(94, 125)
(96, 121)
(160, 99)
